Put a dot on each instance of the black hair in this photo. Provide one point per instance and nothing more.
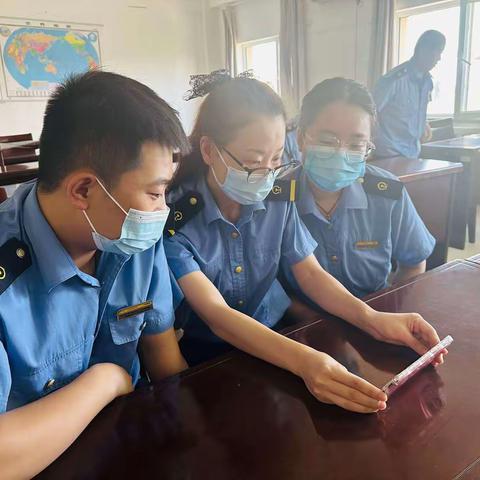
(334, 90)
(430, 40)
(230, 106)
(100, 120)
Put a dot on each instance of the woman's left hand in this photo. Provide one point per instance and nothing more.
(408, 329)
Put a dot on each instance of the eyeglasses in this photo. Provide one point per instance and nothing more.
(258, 174)
(364, 147)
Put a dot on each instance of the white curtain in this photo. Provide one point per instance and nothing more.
(292, 54)
(381, 58)
(230, 31)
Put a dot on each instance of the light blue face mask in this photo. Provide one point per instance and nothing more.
(332, 170)
(237, 186)
(140, 230)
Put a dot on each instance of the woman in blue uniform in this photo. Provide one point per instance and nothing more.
(360, 215)
(229, 240)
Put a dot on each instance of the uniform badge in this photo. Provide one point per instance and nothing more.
(366, 244)
(133, 310)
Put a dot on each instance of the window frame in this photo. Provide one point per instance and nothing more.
(242, 54)
(464, 42)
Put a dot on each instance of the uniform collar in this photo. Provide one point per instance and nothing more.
(353, 197)
(415, 74)
(211, 212)
(54, 263)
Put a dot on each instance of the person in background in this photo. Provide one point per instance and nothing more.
(231, 231)
(360, 215)
(84, 282)
(402, 97)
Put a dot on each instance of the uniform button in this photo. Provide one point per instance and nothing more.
(20, 252)
(240, 303)
(142, 326)
(193, 201)
(330, 226)
(238, 269)
(234, 235)
(50, 383)
(334, 258)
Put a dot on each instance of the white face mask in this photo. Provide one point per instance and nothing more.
(238, 188)
(140, 230)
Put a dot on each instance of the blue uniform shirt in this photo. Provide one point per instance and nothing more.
(55, 320)
(365, 233)
(241, 260)
(402, 97)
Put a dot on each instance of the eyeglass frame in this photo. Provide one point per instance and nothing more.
(287, 166)
(370, 146)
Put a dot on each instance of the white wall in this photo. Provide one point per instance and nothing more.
(159, 45)
(336, 46)
(257, 19)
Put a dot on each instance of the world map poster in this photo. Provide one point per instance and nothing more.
(36, 58)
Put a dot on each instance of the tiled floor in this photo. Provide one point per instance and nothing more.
(470, 248)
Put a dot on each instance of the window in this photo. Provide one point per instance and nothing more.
(457, 76)
(444, 74)
(261, 56)
(471, 58)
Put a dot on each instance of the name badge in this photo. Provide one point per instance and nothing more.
(133, 310)
(366, 244)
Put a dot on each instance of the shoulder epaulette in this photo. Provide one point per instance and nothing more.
(183, 210)
(284, 190)
(397, 72)
(14, 260)
(385, 187)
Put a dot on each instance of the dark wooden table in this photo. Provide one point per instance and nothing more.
(431, 185)
(466, 150)
(240, 418)
(18, 173)
(25, 147)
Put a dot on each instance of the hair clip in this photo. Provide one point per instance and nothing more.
(203, 84)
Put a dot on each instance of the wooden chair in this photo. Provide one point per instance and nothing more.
(18, 155)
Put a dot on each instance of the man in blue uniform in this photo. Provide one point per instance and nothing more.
(83, 275)
(402, 97)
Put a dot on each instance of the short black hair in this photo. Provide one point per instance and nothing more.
(100, 120)
(430, 40)
(334, 90)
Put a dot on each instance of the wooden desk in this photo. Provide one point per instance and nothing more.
(240, 418)
(18, 173)
(431, 185)
(466, 150)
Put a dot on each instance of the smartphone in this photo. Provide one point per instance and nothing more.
(427, 358)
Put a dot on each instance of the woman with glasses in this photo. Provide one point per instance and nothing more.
(360, 215)
(230, 237)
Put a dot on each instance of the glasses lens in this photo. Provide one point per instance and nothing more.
(258, 175)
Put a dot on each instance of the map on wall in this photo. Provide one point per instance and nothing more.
(36, 56)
